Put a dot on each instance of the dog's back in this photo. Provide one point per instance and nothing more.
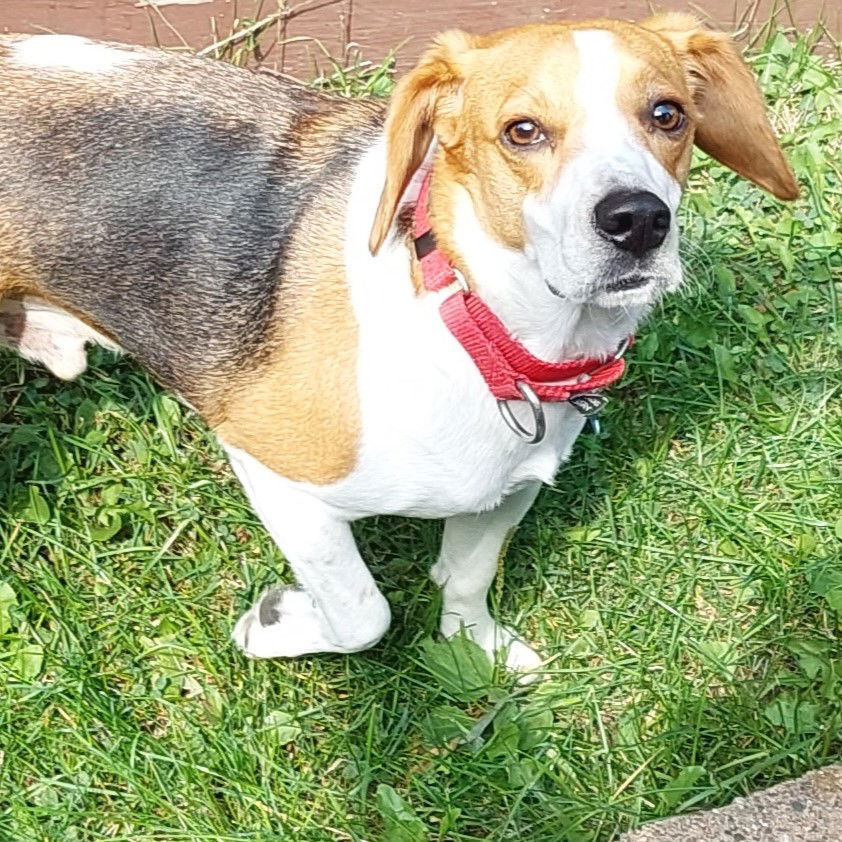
(159, 194)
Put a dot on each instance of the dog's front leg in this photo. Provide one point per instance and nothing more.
(466, 568)
(338, 607)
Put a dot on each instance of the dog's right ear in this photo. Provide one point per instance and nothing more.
(733, 127)
(425, 103)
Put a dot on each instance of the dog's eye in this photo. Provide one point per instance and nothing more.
(667, 116)
(524, 133)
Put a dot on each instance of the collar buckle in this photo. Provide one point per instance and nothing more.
(622, 347)
(460, 279)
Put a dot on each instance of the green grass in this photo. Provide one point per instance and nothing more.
(685, 574)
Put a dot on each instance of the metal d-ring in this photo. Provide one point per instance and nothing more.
(535, 435)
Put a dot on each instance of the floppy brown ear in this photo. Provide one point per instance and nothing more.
(733, 127)
(421, 99)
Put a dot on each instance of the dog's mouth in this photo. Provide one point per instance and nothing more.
(627, 283)
(618, 288)
(631, 290)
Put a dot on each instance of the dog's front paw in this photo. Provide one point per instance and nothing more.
(493, 638)
(524, 659)
(521, 657)
(287, 622)
(283, 623)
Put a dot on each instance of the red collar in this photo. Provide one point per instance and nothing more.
(510, 371)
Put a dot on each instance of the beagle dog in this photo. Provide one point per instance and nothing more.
(379, 308)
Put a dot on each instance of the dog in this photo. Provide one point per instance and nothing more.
(379, 308)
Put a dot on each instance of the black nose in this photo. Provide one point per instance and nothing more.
(634, 221)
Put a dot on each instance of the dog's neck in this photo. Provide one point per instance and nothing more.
(510, 282)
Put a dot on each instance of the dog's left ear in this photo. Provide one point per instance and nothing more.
(423, 105)
(733, 127)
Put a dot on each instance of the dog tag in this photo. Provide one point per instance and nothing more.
(588, 403)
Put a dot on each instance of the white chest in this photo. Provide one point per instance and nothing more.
(433, 441)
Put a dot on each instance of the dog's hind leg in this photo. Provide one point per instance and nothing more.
(44, 333)
(466, 568)
(338, 607)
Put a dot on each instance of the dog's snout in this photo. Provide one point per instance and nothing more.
(635, 221)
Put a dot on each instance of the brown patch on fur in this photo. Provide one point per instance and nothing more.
(502, 89)
(298, 412)
(465, 91)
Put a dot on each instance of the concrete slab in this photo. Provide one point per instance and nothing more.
(808, 809)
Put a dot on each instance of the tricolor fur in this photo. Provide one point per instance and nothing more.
(248, 242)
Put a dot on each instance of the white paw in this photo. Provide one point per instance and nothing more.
(523, 658)
(493, 639)
(519, 656)
(283, 623)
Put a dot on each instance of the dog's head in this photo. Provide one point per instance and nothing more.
(573, 142)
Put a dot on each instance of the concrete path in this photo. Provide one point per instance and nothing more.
(805, 810)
